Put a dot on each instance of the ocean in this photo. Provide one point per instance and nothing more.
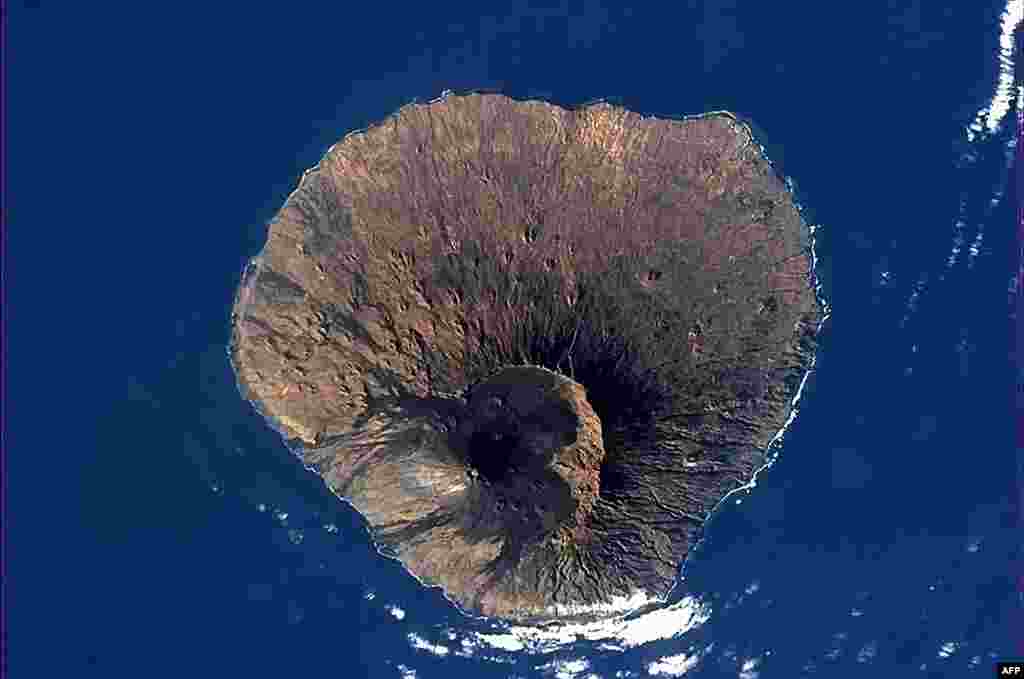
(156, 526)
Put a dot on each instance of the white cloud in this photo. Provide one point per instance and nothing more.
(566, 669)
(673, 665)
(663, 623)
(422, 644)
(749, 669)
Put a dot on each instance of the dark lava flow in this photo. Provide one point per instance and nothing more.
(533, 347)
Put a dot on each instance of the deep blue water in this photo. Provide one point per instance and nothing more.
(145, 517)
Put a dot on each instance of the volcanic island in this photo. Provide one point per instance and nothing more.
(533, 347)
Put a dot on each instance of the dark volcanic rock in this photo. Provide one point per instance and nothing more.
(533, 347)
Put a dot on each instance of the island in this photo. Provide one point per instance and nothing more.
(534, 347)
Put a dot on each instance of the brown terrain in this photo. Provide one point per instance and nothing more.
(534, 347)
